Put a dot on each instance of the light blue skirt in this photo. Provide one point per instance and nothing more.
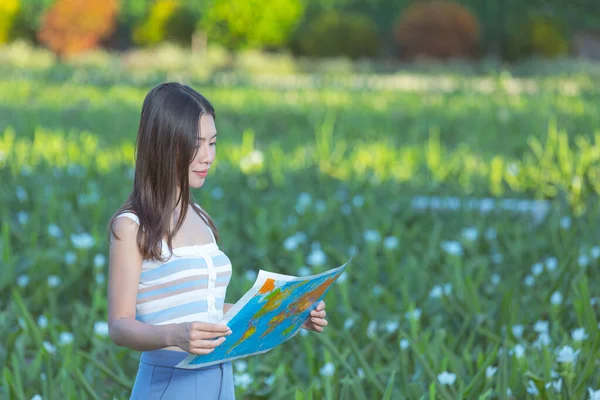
(158, 379)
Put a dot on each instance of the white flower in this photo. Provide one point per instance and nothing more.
(304, 271)
(316, 257)
(377, 290)
(529, 280)
(551, 263)
(23, 217)
(70, 257)
(508, 391)
(290, 243)
(360, 373)
(217, 193)
(491, 234)
(470, 234)
(557, 384)
(371, 329)
(101, 328)
(595, 252)
(537, 269)
(36, 397)
(565, 222)
(21, 194)
(391, 326)
(348, 323)
(250, 274)
(65, 338)
(556, 298)
(358, 201)
(519, 350)
(82, 241)
(241, 365)
(554, 374)
(99, 260)
(53, 281)
(327, 369)
(321, 206)
(541, 326)
(290, 221)
(497, 258)
(351, 250)
(243, 380)
(594, 394)
(579, 334)
(490, 371)
(100, 279)
(404, 344)
(42, 321)
(495, 279)
(416, 314)
(583, 260)
(452, 247)
(54, 231)
(543, 340)
(346, 209)
(372, 236)
(447, 289)
(436, 292)
(270, 380)
(50, 348)
(303, 202)
(22, 280)
(517, 330)
(446, 378)
(391, 242)
(567, 355)
(532, 389)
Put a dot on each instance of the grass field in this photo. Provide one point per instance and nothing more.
(458, 300)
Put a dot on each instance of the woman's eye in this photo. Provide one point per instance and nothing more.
(213, 144)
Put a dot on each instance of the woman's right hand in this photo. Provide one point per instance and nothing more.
(200, 337)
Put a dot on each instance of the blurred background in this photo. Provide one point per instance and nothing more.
(453, 146)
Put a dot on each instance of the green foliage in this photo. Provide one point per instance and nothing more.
(155, 28)
(9, 9)
(335, 33)
(338, 162)
(251, 24)
(538, 35)
(28, 20)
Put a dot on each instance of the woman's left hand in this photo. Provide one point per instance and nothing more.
(316, 320)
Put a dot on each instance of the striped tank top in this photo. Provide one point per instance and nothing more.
(190, 286)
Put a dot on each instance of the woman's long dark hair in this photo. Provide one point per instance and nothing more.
(166, 144)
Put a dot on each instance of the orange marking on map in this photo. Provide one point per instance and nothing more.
(268, 286)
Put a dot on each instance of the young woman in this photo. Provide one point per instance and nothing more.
(167, 275)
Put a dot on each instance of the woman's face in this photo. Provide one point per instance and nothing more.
(206, 144)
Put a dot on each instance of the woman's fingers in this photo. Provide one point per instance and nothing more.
(318, 314)
(319, 321)
(321, 305)
(205, 346)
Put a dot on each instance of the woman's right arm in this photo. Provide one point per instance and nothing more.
(125, 268)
